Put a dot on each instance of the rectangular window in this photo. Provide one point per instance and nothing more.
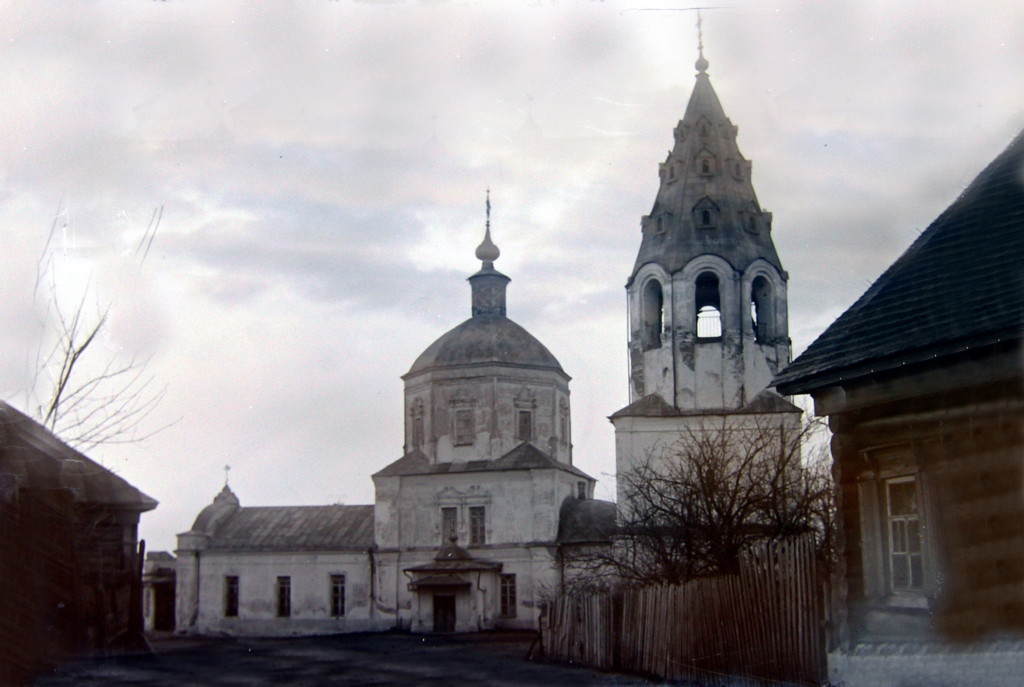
(417, 431)
(231, 596)
(581, 490)
(337, 595)
(449, 523)
(906, 567)
(524, 425)
(477, 526)
(284, 597)
(464, 430)
(508, 596)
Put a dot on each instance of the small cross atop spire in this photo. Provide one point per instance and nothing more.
(227, 473)
(702, 63)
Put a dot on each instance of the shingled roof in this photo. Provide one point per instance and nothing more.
(295, 528)
(960, 286)
(32, 457)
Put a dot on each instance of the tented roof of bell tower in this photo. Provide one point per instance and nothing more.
(706, 204)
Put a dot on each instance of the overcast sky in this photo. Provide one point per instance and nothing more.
(322, 166)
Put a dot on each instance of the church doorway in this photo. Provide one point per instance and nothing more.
(444, 612)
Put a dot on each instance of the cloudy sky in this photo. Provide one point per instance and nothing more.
(321, 169)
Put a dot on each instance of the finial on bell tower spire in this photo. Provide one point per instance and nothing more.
(487, 252)
(702, 63)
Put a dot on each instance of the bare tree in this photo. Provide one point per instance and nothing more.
(80, 395)
(691, 510)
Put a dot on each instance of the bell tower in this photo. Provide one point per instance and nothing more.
(707, 295)
(708, 325)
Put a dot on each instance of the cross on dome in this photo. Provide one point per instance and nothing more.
(487, 252)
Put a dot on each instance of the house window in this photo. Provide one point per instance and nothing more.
(449, 523)
(581, 490)
(508, 596)
(477, 526)
(231, 596)
(464, 427)
(708, 302)
(524, 425)
(337, 595)
(284, 597)
(906, 567)
(563, 425)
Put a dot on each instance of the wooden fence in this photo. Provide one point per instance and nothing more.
(764, 625)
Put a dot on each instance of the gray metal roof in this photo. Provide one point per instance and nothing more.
(959, 286)
(486, 340)
(295, 528)
(586, 521)
(525, 456)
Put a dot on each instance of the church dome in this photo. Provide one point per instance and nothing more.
(482, 340)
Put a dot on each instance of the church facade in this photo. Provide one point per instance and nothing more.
(468, 527)
(708, 322)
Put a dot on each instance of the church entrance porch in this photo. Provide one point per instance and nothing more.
(453, 593)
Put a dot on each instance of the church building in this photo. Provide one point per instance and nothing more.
(468, 528)
(706, 298)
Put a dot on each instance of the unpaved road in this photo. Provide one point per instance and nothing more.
(371, 659)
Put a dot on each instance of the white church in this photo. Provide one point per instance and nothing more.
(471, 527)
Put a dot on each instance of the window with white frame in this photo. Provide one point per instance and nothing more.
(906, 563)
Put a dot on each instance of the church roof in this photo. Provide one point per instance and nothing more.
(295, 528)
(586, 521)
(488, 337)
(959, 286)
(525, 456)
(654, 405)
(486, 340)
(33, 457)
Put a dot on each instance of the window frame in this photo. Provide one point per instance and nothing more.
(507, 601)
(338, 595)
(449, 525)
(231, 596)
(283, 587)
(463, 427)
(522, 413)
(477, 526)
(908, 528)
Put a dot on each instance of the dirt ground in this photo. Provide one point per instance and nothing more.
(497, 659)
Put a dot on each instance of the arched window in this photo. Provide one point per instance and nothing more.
(705, 214)
(708, 306)
(705, 166)
(653, 313)
(761, 309)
